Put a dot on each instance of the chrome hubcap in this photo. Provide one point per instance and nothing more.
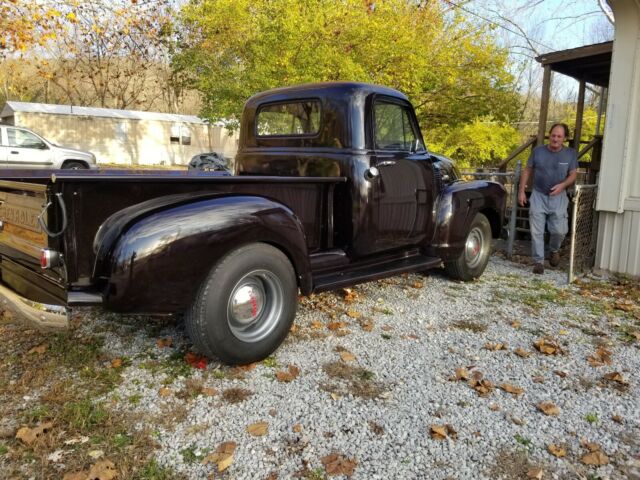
(474, 247)
(255, 306)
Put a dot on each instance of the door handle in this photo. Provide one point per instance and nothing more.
(13, 151)
(386, 163)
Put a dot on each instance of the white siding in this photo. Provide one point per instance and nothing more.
(619, 242)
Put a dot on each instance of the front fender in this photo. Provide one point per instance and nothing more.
(159, 263)
(457, 205)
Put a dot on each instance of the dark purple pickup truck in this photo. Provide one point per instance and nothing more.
(332, 186)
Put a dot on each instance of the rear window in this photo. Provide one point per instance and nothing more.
(289, 119)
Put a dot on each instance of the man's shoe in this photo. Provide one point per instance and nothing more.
(538, 269)
(554, 259)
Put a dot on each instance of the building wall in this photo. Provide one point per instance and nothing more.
(619, 187)
(130, 142)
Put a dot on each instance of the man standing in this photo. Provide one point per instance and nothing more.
(555, 169)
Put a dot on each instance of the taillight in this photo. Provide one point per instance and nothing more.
(49, 258)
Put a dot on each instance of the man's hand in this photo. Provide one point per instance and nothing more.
(557, 189)
(522, 198)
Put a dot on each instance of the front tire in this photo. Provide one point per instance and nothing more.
(73, 165)
(471, 263)
(246, 306)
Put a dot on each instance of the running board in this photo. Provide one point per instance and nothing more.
(364, 273)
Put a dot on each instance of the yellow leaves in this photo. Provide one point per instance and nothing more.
(164, 342)
(615, 377)
(601, 357)
(258, 429)
(116, 363)
(441, 432)
(595, 456)
(102, 470)
(222, 457)
(353, 314)
(549, 408)
(336, 464)
(289, 375)
(346, 356)
(165, 392)
(72, 17)
(297, 428)
(349, 295)
(535, 473)
(28, 436)
(494, 347)
(316, 325)
(462, 374)
(39, 349)
(482, 386)
(548, 346)
(557, 450)
(333, 326)
(521, 352)
(507, 387)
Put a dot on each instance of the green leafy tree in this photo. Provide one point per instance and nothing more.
(481, 143)
(451, 69)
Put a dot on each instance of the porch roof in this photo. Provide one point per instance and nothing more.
(591, 63)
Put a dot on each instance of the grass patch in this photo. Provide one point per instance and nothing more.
(236, 395)
(193, 455)
(270, 362)
(356, 381)
(3, 449)
(591, 418)
(153, 471)
(525, 442)
(470, 325)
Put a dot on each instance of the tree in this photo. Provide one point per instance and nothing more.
(481, 143)
(451, 70)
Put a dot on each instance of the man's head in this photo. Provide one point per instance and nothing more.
(558, 134)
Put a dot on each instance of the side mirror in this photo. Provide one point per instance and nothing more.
(43, 146)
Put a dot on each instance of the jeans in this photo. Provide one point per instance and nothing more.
(552, 211)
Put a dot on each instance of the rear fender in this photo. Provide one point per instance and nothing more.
(159, 262)
(457, 206)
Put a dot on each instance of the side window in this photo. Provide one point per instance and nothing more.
(22, 139)
(291, 119)
(393, 127)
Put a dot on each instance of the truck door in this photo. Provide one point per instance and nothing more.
(3, 148)
(26, 150)
(401, 193)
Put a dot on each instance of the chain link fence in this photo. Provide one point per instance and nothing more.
(584, 231)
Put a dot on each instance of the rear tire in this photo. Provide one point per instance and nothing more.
(245, 307)
(73, 165)
(472, 261)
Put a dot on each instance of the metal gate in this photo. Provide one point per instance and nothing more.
(584, 231)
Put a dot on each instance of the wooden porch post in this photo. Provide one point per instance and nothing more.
(544, 104)
(579, 111)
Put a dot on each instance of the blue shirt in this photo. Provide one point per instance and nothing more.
(551, 168)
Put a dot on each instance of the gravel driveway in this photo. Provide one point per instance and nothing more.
(411, 377)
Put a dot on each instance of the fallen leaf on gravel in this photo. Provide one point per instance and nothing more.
(387, 328)
(73, 441)
(164, 342)
(116, 363)
(56, 456)
(516, 324)
(30, 435)
(195, 360)
(548, 408)
(289, 375)
(601, 357)
(507, 387)
(521, 352)
(258, 429)
(595, 458)
(625, 305)
(96, 454)
(208, 391)
(39, 349)
(376, 428)
(547, 346)
(333, 326)
(103, 470)
(441, 432)
(563, 332)
(538, 379)
(297, 428)
(335, 396)
(482, 386)
(615, 377)
(560, 373)
(164, 392)
(556, 450)
(494, 347)
(494, 407)
(353, 314)
(461, 374)
(76, 475)
(417, 285)
(535, 473)
(336, 464)
(347, 356)
(617, 419)
(222, 457)
(349, 295)
(517, 421)
(317, 325)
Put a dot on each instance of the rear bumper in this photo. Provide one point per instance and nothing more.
(41, 315)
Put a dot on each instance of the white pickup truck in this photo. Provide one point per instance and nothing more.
(22, 148)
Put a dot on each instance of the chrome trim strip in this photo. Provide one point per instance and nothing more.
(43, 316)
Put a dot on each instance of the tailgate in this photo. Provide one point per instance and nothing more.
(20, 205)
